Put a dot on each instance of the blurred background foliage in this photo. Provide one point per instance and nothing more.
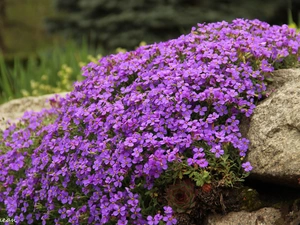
(29, 25)
(44, 43)
(119, 23)
(22, 26)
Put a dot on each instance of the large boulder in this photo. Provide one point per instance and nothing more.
(13, 110)
(274, 132)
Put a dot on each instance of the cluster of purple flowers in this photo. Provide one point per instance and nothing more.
(133, 115)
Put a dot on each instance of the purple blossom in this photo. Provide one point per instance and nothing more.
(29, 219)
(217, 150)
(247, 166)
(130, 141)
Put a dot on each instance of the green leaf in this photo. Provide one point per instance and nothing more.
(225, 157)
(269, 79)
(192, 174)
(187, 172)
(199, 183)
(180, 175)
(205, 175)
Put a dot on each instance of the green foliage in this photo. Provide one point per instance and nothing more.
(51, 71)
(125, 23)
(226, 170)
(223, 172)
(200, 177)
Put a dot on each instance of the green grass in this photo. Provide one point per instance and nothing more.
(50, 70)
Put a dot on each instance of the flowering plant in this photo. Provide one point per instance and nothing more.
(140, 121)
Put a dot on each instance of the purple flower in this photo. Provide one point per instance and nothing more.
(119, 210)
(170, 220)
(29, 218)
(168, 210)
(202, 163)
(247, 166)
(63, 213)
(217, 150)
(154, 220)
(130, 141)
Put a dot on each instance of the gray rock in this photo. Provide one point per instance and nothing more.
(14, 110)
(264, 216)
(274, 132)
(281, 77)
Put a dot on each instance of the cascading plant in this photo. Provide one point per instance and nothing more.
(140, 121)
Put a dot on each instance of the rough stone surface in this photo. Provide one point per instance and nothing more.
(264, 216)
(281, 77)
(14, 110)
(274, 132)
